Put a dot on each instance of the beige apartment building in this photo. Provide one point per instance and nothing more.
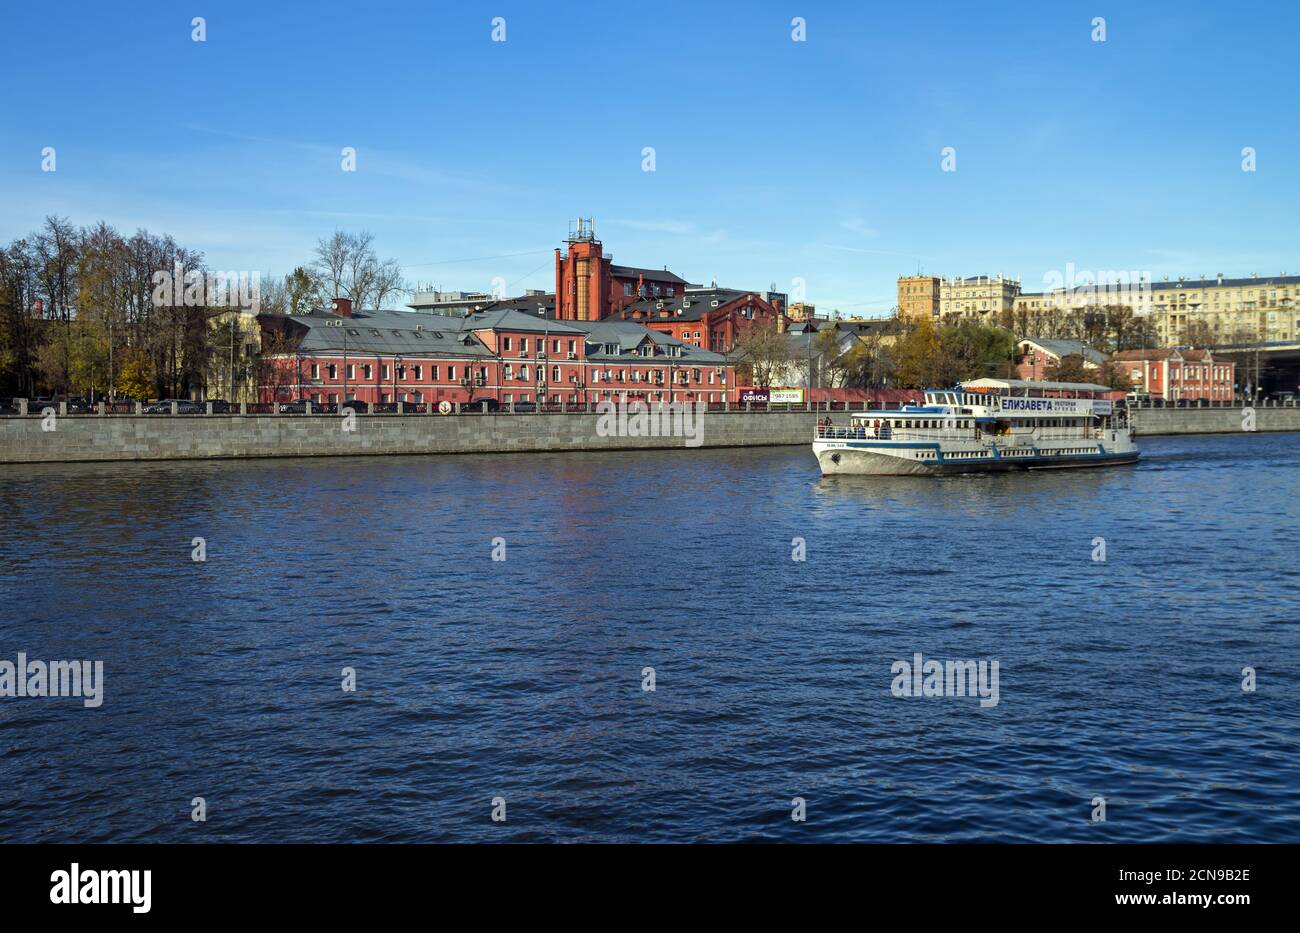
(977, 297)
(1202, 311)
(1136, 296)
(1265, 308)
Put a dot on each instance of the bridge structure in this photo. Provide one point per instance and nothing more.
(1269, 368)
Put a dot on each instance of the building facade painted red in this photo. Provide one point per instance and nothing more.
(1035, 358)
(590, 287)
(1174, 375)
(710, 318)
(396, 356)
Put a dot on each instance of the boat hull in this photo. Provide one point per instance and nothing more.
(851, 460)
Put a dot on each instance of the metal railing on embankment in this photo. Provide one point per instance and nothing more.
(37, 408)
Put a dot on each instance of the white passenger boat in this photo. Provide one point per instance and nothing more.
(983, 426)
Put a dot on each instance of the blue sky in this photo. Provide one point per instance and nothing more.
(775, 159)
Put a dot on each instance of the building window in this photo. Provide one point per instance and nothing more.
(333, 371)
(352, 370)
(505, 343)
(366, 371)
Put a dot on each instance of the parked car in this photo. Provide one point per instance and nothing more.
(297, 407)
(385, 408)
(525, 407)
(478, 403)
(219, 406)
(183, 407)
(8, 406)
(77, 405)
(356, 405)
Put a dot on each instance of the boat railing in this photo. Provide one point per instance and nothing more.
(867, 432)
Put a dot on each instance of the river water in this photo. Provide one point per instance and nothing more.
(522, 680)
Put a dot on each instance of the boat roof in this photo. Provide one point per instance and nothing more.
(1030, 384)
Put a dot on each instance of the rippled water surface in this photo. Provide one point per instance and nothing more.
(522, 679)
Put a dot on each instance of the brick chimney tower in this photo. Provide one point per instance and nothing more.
(342, 307)
(582, 280)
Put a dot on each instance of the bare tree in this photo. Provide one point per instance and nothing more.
(346, 265)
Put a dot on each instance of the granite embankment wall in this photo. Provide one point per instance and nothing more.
(187, 437)
(184, 437)
(1153, 421)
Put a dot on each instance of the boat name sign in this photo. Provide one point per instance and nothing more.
(1057, 406)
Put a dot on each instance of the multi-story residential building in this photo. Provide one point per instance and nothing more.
(1192, 311)
(505, 354)
(801, 311)
(1222, 310)
(1034, 356)
(977, 297)
(1134, 293)
(1174, 375)
(918, 297)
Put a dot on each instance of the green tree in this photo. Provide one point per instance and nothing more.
(918, 356)
(975, 351)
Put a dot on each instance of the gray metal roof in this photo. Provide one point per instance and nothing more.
(1030, 384)
(1064, 348)
(387, 333)
(512, 320)
(654, 275)
(690, 307)
(411, 335)
(629, 335)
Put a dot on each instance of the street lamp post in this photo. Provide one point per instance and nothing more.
(545, 355)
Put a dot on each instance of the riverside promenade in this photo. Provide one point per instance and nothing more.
(63, 438)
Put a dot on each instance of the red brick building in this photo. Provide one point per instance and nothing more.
(504, 354)
(590, 287)
(1174, 375)
(1035, 357)
(711, 318)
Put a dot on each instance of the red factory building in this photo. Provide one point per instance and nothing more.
(505, 354)
(590, 287)
(607, 332)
